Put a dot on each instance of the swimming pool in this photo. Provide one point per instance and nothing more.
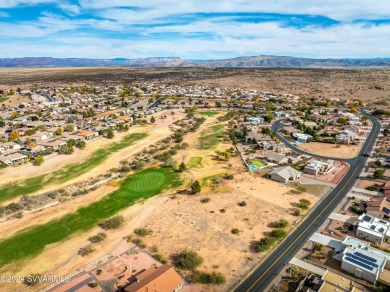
(253, 166)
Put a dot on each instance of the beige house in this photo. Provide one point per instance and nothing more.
(13, 159)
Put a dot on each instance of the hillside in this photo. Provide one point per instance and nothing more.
(239, 62)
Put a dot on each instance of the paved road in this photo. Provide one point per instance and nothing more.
(274, 263)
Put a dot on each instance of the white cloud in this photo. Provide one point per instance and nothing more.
(70, 9)
(335, 9)
(206, 37)
(14, 3)
(348, 40)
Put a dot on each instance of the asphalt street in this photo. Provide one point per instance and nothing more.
(276, 261)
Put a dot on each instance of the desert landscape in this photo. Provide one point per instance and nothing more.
(367, 85)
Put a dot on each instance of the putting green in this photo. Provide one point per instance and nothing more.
(149, 181)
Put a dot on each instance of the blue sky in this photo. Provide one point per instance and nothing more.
(196, 29)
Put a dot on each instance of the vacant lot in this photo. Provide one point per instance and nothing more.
(30, 242)
(332, 150)
(197, 222)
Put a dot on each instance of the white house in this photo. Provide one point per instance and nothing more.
(301, 138)
(373, 229)
(318, 167)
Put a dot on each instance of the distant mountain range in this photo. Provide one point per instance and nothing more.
(239, 62)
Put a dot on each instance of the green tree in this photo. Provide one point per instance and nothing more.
(379, 173)
(196, 187)
(342, 121)
(182, 167)
(268, 118)
(39, 160)
(71, 142)
(152, 120)
(110, 133)
(80, 144)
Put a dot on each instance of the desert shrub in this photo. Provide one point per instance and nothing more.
(161, 258)
(138, 242)
(229, 177)
(19, 215)
(264, 244)
(31, 280)
(278, 233)
(304, 204)
(52, 195)
(242, 204)
(282, 223)
(98, 271)
(318, 246)
(297, 212)
(86, 250)
(235, 231)
(112, 223)
(94, 284)
(222, 210)
(214, 278)
(142, 231)
(356, 210)
(14, 207)
(98, 237)
(188, 260)
(205, 200)
(372, 188)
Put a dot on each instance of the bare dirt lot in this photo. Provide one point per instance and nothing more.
(339, 83)
(339, 151)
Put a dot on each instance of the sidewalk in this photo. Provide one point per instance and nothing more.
(308, 266)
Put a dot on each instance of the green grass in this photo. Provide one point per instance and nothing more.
(195, 162)
(207, 181)
(3, 99)
(209, 114)
(211, 137)
(68, 172)
(258, 163)
(31, 241)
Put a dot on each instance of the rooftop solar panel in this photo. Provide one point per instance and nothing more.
(360, 264)
(385, 210)
(366, 257)
(367, 218)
